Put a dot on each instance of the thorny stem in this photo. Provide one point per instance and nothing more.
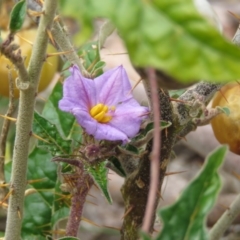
(4, 133)
(155, 154)
(225, 220)
(105, 31)
(136, 187)
(82, 186)
(24, 124)
(64, 43)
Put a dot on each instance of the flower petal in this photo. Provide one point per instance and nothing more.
(128, 118)
(85, 120)
(113, 86)
(107, 132)
(79, 89)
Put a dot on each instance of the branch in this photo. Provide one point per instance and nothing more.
(202, 92)
(155, 154)
(24, 123)
(136, 187)
(225, 220)
(64, 43)
(4, 133)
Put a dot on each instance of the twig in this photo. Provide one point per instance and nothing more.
(64, 43)
(24, 124)
(155, 154)
(82, 186)
(225, 220)
(4, 133)
(105, 31)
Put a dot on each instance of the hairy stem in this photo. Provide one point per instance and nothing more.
(24, 124)
(4, 133)
(136, 187)
(79, 194)
(225, 220)
(155, 154)
(64, 43)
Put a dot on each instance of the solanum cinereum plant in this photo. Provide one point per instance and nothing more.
(91, 122)
(103, 106)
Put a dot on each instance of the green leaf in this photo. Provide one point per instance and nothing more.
(60, 214)
(145, 236)
(17, 16)
(185, 219)
(62, 120)
(89, 52)
(99, 174)
(37, 215)
(176, 93)
(115, 165)
(41, 169)
(52, 140)
(225, 110)
(172, 34)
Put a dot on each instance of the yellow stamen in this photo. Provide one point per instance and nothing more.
(99, 113)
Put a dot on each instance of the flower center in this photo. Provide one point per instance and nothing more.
(99, 113)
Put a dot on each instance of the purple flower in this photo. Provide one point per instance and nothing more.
(104, 107)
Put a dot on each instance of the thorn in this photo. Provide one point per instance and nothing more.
(114, 228)
(48, 62)
(7, 196)
(37, 180)
(19, 213)
(9, 118)
(34, 13)
(30, 191)
(58, 53)
(51, 37)
(39, 138)
(166, 132)
(173, 173)
(89, 221)
(40, 2)
(24, 39)
(127, 212)
(236, 175)
(235, 15)
(184, 138)
(160, 195)
(56, 18)
(117, 53)
(4, 184)
(61, 232)
(177, 100)
(135, 85)
(91, 203)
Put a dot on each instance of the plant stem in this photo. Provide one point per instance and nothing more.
(65, 44)
(225, 220)
(4, 133)
(82, 186)
(24, 124)
(105, 31)
(155, 154)
(136, 187)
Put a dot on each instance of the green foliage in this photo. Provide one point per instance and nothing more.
(52, 140)
(185, 219)
(17, 16)
(99, 174)
(89, 52)
(172, 34)
(225, 110)
(62, 120)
